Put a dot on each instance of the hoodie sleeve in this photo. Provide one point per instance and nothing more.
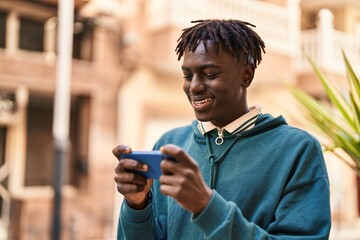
(140, 224)
(134, 224)
(300, 215)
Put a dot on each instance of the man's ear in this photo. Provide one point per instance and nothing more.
(248, 75)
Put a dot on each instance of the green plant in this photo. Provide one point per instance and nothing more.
(338, 121)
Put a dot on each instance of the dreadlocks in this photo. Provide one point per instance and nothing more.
(236, 37)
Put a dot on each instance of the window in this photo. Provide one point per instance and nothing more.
(39, 161)
(7, 102)
(2, 29)
(31, 34)
(83, 39)
(2, 144)
(3, 182)
(40, 158)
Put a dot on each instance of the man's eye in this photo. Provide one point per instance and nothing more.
(210, 75)
(188, 77)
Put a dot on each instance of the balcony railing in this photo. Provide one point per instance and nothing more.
(278, 26)
(324, 45)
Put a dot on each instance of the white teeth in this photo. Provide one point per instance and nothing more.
(198, 103)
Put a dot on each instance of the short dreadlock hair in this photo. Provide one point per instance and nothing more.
(234, 35)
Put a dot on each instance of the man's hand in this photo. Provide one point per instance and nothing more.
(132, 186)
(183, 180)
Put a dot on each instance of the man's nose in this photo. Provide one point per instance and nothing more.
(197, 84)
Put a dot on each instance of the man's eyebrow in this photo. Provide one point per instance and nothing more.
(202, 67)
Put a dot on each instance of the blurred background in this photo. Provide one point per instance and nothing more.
(126, 87)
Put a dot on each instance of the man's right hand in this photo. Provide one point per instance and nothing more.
(134, 187)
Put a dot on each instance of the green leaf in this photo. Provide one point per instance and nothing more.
(340, 123)
(319, 113)
(335, 97)
(354, 86)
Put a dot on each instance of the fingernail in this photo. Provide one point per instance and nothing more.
(123, 148)
(145, 167)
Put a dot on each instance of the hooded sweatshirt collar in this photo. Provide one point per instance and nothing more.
(245, 122)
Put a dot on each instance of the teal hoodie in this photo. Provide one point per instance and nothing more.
(270, 182)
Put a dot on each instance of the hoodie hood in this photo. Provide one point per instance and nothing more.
(264, 122)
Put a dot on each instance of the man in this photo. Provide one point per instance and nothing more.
(239, 174)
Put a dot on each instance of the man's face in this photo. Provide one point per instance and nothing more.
(215, 84)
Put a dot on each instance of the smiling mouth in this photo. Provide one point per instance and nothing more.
(202, 104)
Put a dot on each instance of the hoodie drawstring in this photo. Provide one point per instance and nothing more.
(214, 162)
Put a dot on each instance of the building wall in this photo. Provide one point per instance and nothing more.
(88, 197)
(352, 19)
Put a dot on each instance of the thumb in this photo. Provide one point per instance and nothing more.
(180, 155)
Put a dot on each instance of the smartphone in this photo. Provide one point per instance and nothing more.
(151, 158)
